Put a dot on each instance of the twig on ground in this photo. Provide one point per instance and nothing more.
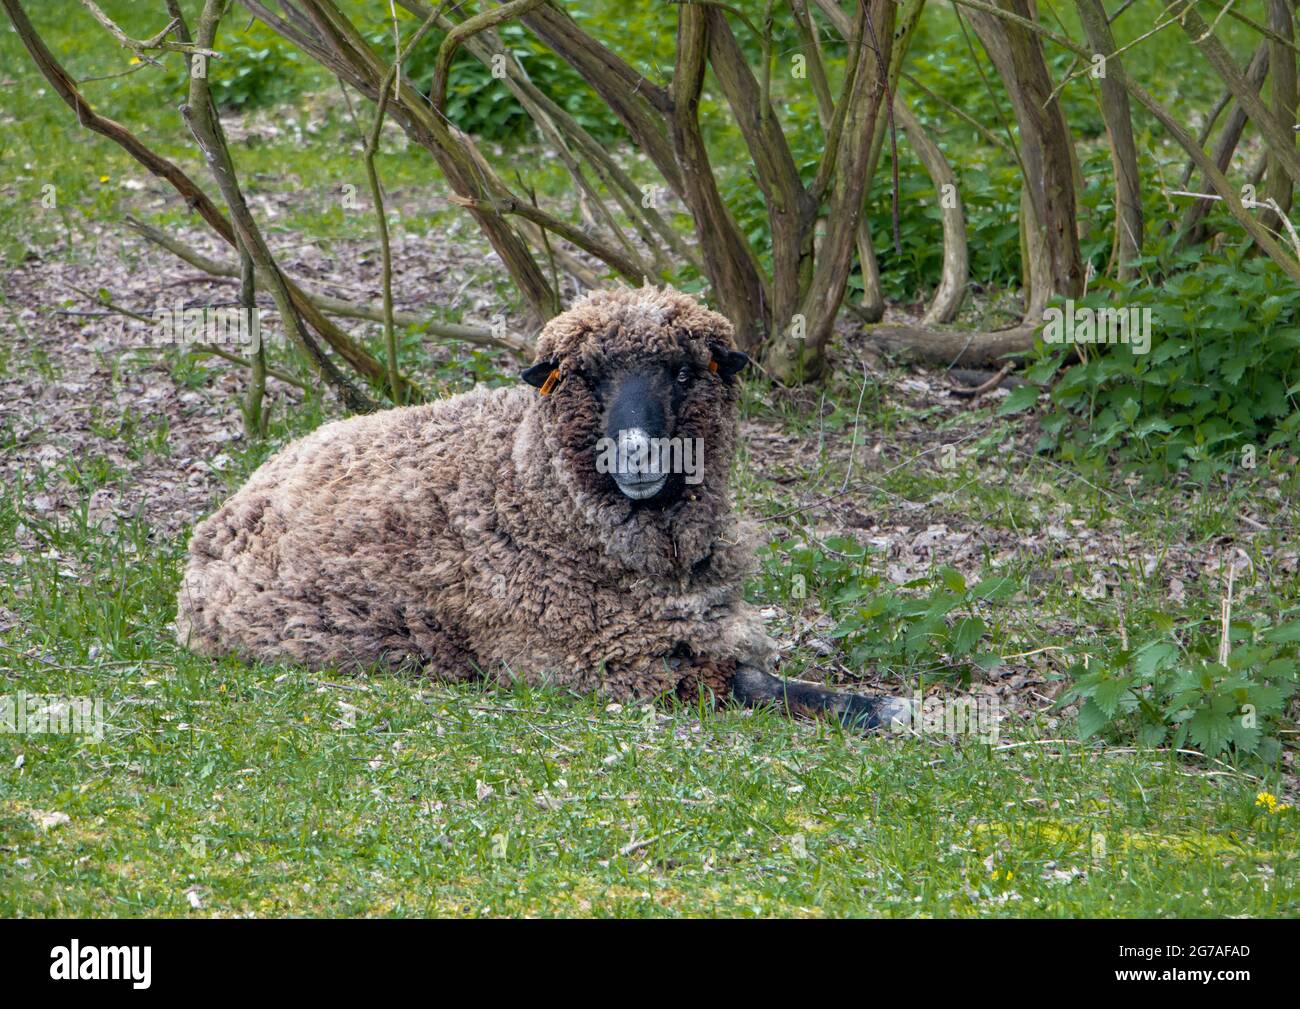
(974, 393)
(627, 849)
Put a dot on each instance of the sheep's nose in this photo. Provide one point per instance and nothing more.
(637, 458)
(639, 470)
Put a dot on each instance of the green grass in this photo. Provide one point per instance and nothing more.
(273, 792)
(243, 784)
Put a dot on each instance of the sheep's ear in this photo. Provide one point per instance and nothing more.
(726, 362)
(537, 375)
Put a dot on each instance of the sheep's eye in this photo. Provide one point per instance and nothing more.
(684, 375)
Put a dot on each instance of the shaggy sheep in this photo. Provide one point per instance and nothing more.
(576, 530)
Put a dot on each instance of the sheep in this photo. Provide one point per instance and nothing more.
(530, 533)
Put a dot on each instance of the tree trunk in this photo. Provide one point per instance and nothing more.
(1045, 146)
(1123, 150)
(1278, 181)
(731, 266)
(790, 358)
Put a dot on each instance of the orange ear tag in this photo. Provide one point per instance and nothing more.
(550, 382)
(713, 366)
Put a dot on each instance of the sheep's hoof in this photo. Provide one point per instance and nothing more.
(860, 712)
(866, 713)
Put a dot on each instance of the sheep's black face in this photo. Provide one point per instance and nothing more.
(640, 450)
(653, 418)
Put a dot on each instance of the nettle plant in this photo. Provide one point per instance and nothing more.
(1217, 388)
(937, 627)
(1180, 688)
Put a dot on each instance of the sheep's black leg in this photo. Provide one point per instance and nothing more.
(753, 687)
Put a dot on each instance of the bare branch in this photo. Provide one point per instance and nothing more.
(194, 196)
(1281, 183)
(200, 114)
(956, 258)
(730, 262)
(951, 347)
(1281, 142)
(1231, 200)
(791, 211)
(256, 415)
(466, 29)
(325, 32)
(377, 197)
(1190, 229)
(337, 306)
(204, 348)
(154, 44)
(512, 205)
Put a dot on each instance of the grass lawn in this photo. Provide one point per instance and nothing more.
(232, 791)
(220, 789)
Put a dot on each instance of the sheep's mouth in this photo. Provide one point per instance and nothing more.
(635, 459)
(640, 487)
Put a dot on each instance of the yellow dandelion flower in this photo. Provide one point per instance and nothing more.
(103, 178)
(1268, 801)
(134, 60)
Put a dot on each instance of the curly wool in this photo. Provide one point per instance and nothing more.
(473, 536)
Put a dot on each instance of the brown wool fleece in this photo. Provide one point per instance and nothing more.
(474, 536)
